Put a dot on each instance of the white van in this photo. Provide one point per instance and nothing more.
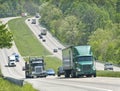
(11, 61)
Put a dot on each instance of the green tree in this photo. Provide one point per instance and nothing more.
(6, 37)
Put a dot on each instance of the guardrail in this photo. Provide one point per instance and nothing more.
(18, 82)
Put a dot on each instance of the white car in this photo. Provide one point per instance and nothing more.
(108, 66)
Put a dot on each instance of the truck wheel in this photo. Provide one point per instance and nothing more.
(67, 75)
(26, 76)
(58, 75)
(95, 75)
(73, 74)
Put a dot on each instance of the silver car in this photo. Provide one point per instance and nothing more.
(108, 66)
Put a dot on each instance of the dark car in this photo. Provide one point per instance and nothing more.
(28, 19)
(43, 40)
(60, 71)
(40, 36)
(50, 72)
(55, 50)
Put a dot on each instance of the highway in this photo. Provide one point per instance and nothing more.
(51, 43)
(54, 83)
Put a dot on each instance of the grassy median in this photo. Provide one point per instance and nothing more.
(29, 45)
(108, 73)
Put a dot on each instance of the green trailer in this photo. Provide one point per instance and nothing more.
(78, 61)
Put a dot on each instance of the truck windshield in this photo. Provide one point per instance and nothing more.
(37, 64)
(12, 60)
(85, 58)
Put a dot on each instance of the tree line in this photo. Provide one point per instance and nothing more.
(76, 22)
(10, 8)
(83, 22)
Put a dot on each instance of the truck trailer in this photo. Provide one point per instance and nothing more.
(35, 67)
(78, 61)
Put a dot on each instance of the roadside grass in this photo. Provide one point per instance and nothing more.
(28, 44)
(108, 73)
(7, 86)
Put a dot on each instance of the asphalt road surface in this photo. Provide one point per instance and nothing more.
(54, 83)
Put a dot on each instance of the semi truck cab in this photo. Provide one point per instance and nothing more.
(35, 67)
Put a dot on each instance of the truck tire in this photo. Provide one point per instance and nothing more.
(58, 75)
(73, 74)
(26, 76)
(67, 74)
(94, 75)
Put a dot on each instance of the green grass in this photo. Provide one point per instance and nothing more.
(28, 44)
(7, 86)
(108, 73)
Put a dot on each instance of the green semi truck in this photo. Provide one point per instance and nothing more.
(78, 61)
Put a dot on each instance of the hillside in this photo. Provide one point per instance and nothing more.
(76, 22)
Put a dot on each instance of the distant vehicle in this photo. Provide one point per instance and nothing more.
(24, 14)
(37, 15)
(59, 48)
(43, 31)
(16, 57)
(50, 72)
(43, 40)
(108, 66)
(33, 21)
(11, 61)
(40, 36)
(35, 67)
(28, 19)
(60, 71)
(55, 50)
(78, 61)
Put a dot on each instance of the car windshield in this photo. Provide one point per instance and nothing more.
(60, 68)
(108, 64)
(85, 58)
(50, 70)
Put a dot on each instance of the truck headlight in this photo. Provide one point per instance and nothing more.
(94, 68)
(78, 69)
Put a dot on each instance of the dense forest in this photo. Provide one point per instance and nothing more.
(76, 22)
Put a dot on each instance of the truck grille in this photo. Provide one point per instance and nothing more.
(86, 67)
(38, 69)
